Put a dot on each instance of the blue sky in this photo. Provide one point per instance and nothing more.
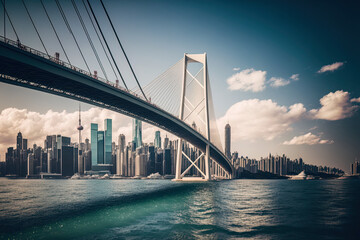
(281, 38)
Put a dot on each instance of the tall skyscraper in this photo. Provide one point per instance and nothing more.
(166, 142)
(120, 156)
(94, 144)
(107, 141)
(19, 141)
(227, 141)
(137, 132)
(100, 147)
(157, 140)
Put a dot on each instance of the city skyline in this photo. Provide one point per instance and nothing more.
(306, 84)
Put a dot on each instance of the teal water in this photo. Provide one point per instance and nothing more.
(161, 209)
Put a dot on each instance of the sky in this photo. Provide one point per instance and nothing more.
(283, 74)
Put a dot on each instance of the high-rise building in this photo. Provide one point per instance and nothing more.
(228, 141)
(107, 141)
(94, 144)
(120, 156)
(80, 163)
(137, 132)
(166, 142)
(19, 141)
(157, 140)
(100, 147)
(166, 162)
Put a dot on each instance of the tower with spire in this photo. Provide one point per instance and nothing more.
(80, 158)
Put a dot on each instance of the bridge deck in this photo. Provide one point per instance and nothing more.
(23, 68)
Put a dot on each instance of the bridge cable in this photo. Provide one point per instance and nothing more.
(117, 37)
(55, 32)
(12, 26)
(102, 45)
(71, 32)
(4, 21)
(107, 45)
(89, 39)
(27, 10)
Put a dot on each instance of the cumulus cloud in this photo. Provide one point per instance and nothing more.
(330, 67)
(36, 126)
(278, 82)
(260, 119)
(236, 69)
(334, 106)
(355, 100)
(247, 80)
(295, 77)
(307, 139)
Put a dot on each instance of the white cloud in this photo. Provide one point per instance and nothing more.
(260, 119)
(278, 82)
(334, 106)
(36, 126)
(330, 67)
(236, 69)
(295, 77)
(248, 80)
(307, 139)
(355, 100)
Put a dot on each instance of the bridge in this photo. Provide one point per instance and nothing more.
(177, 101)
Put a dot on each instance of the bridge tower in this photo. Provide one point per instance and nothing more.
(202, 81)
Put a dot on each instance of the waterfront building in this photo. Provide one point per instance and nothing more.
(137, 133)
(100, 147)
(94, 144)
(107, 141)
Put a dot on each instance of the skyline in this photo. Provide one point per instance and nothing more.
(257, 61)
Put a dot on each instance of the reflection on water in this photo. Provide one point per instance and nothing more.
(155, 209)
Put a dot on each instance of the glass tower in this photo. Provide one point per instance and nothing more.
(94, 145)
(108, 140)
(137, 133)
(100, 147)
(157, 141)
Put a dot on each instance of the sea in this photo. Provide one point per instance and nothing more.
(162, 209)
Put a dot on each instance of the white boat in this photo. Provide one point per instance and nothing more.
(106, 176)
(300, 176)
(75, 176)
(154, 176)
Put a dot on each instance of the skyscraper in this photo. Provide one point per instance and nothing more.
(227, 141)
(120, 156)
(157, 140)
(107, 141)
(137, 133)
(100, 147)
(94, 144)
(19, 141)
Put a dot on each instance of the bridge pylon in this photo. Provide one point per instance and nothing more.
(185, 102)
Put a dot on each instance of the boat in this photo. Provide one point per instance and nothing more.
(300, 176)
(106, 176)
(154, 176)
(75, 176)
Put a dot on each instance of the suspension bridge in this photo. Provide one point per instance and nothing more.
(178, 100)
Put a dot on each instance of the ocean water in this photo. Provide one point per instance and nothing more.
(161, 209)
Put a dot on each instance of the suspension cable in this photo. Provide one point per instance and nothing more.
(57, 36)
(12, 26)
(89, 39)
(102, 34)
(97, 34)
(71, 32)
(27, 10)
(4, 21)
(117, 37)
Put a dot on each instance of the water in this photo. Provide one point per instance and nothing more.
(161, 209)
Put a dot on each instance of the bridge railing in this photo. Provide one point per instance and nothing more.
(23, 47)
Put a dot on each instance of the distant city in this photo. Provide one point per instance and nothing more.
(61, 158)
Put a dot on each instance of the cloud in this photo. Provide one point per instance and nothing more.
(36, 126)
(295, 77)
(334, 106)
(260, 119)
(355, 100)
(248, 80)
(236, 69)
(307, 139)
(278, 82)
(330, 67)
